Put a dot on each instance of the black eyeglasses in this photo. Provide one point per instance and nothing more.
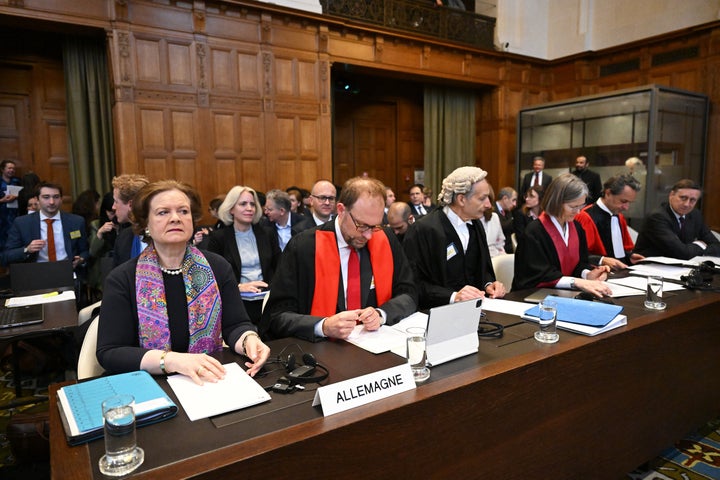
(361, 227)
(324, 198)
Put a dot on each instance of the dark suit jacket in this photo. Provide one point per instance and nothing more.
(287, 313)
(426, 246)
(223, 243)
(123, 244)
(26, 228)
(416, 213)
(592, 180)
(527, 182)
(507, 222)
(661, 236)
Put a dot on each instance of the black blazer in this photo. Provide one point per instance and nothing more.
(223, 243)
(527, 182)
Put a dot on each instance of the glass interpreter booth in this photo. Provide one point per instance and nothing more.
(656, 133)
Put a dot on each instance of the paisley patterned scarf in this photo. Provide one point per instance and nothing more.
(203, 299)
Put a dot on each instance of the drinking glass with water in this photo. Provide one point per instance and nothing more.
(548, 322)
(122, 455)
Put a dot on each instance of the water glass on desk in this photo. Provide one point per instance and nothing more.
(122, 455)
(416, 353)
(548, 322)
(654, 293)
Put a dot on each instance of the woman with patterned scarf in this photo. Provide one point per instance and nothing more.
(171, 307)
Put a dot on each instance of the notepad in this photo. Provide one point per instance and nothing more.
(81, 404)
(581, 312)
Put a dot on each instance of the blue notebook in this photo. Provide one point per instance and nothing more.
(581, 312)
(81, 404)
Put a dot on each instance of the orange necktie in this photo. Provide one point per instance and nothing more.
(52, 257)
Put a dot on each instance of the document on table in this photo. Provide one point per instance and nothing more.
(387, 338)
(42, 298)
(237, 390)
(668, 272)
(639, 284)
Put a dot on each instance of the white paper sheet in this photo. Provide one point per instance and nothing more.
(505, 306)
(381, 340)
(42, 298)
(237, 390)
(640, 284)
(669, 272)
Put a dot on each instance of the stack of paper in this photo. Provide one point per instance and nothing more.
(581, 316)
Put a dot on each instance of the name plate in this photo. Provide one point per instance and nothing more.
(357, 391)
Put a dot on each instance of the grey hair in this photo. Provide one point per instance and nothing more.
(460, 181)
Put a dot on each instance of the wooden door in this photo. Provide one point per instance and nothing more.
(365, 142)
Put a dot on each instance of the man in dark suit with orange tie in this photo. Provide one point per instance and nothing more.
(536, 177)
(48, 235)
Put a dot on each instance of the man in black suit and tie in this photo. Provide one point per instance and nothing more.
(48, 235)
(278, 215)
(322, 202)
(127, 244)
(345, 272)
(448, 249)
(536, 177)
(504, 205)
(417, 199)
(676, 229)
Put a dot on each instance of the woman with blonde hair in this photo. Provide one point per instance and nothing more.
(251, 248)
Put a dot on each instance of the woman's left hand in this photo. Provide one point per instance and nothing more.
(252, 287)
(257, 352)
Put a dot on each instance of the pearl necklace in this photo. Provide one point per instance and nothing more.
(171, 271)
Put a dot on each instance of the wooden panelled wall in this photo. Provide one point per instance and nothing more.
(219, 93)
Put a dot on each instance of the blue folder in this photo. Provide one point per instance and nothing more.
(581, 312)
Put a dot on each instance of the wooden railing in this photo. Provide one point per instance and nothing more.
(421, 17)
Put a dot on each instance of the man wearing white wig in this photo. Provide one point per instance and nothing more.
(447, 248)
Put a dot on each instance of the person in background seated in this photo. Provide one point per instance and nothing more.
(167, 310)
(676, 229)
(33, 205)
(417, 201)
(127, 245)
(505, 207)
(554, 250)
(493, 228)
(322, 202)
(28, 239)
(251, 248)
(530, 211)
(278, 216)
(608, 238)
(344, 272)
(399, 219)
(448, 249)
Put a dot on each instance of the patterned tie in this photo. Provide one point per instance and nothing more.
(353, 286)
(52, 257)
(535, 180)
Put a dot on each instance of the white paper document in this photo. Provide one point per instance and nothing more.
(237, 390)
(640, 284)
(387, 339)
(40, 299)
(670, 272)
(13, 190)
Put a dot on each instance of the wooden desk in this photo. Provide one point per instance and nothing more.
(58, 316)
(586, 407)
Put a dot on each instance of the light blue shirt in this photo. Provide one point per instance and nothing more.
(249, 256)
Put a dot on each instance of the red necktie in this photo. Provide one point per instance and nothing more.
(51, 240)
(535, 180)
(353, 286)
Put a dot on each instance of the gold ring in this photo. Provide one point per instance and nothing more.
(200, 370)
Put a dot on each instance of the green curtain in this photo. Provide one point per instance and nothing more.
(449, 133)
(89, 113)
